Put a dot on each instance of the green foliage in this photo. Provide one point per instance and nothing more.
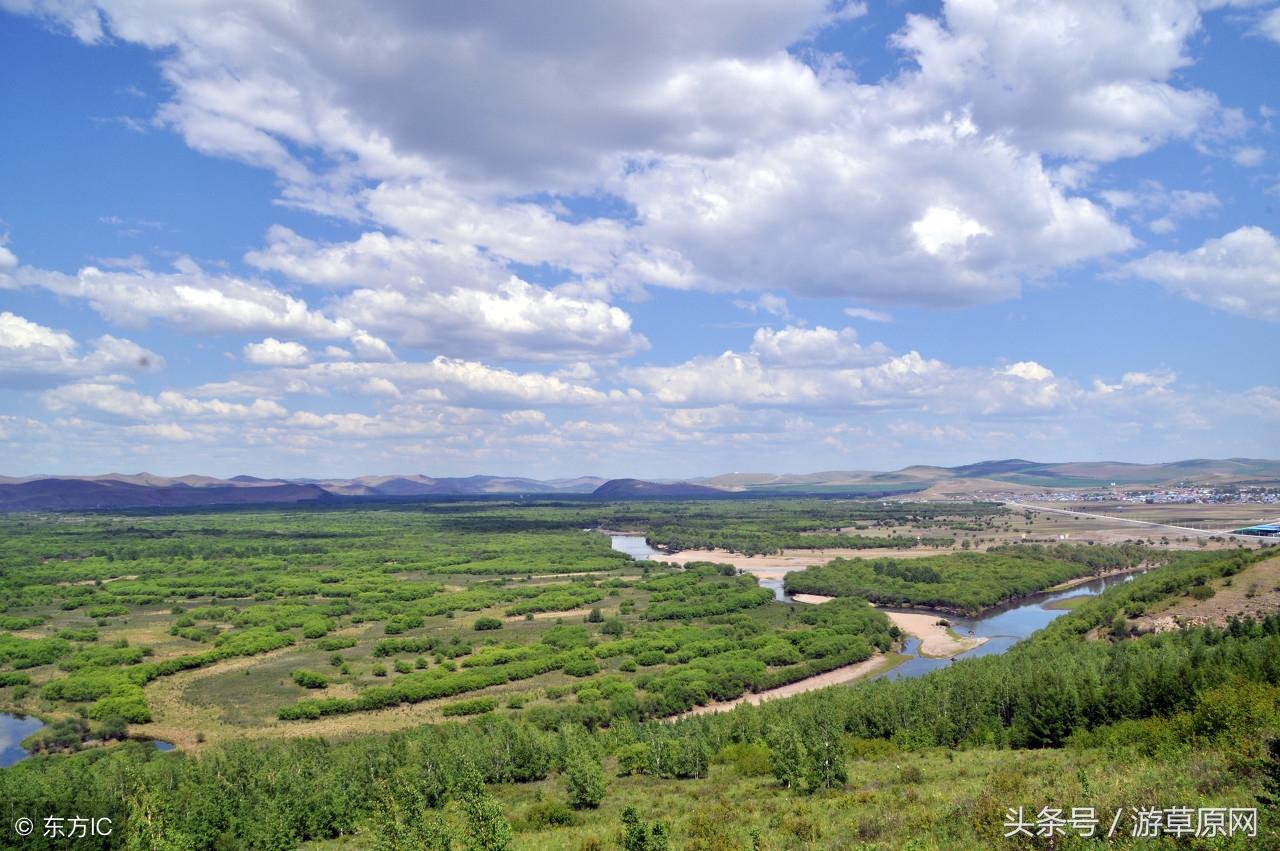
(474, 706)
(125, 701)
(404, 821)
(316, 627)
(20, 622)
(584, 778)
(963, 581)
(1270, 769)
(637, 835)
(487, 623)
(541, 815)
(31, 652)
(634, 758)
(564, 637)
(581, 664)
(83, 634)
(102, 657)
(63, 734)
(749, 759)
(557, 598)
(487, 829)
(309, 679)
(788, 756)
(249, 582)
(826, 761)
(1183, 571)
(702, 591)
(420, 686)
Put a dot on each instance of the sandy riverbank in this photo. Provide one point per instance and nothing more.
(831, 678)
(778, 566)
(935, 639)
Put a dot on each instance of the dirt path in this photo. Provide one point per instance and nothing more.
(831, 678)
(546, 616)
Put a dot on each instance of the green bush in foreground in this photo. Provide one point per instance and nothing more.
(309, 679)
(583, 777)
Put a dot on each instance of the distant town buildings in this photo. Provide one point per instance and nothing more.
(1199, 495)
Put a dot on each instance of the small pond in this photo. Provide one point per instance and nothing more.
(13, 729)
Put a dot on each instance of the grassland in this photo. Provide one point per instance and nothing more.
(490, 675)
(199, 628)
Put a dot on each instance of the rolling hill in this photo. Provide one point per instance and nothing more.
(1018, 473)
(640, 489)
(84, 495)
(1010, 475)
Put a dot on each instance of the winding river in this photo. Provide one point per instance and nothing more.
(635, 546)
(1003, 626)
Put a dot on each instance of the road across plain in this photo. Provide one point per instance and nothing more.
(1202, 532)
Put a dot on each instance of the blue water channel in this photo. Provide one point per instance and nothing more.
(15, 728)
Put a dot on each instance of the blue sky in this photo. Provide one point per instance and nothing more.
(635, 239)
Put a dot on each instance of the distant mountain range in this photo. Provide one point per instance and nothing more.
(1016, 472)
(144, 490)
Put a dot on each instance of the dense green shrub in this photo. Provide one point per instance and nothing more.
(474, 706)
(584, 778)
(309, 679)
(963, 581)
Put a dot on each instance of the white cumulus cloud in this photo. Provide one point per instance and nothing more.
(1238, 272)
(273, 352)
(32, 354)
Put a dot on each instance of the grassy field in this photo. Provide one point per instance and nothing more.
(494, 675)
(193, 627)
(930, 800)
